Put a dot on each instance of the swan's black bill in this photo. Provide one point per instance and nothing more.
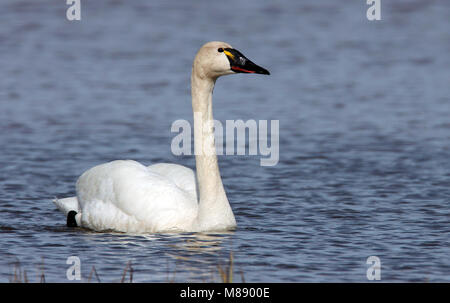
(241, 64)
(71, 222)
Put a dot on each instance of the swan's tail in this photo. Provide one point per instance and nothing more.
(67, 204)
(70, 208)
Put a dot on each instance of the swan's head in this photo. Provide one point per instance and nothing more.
(215, 59)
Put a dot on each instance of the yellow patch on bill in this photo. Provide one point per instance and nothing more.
(229, 54)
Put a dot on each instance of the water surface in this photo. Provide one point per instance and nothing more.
(364, 135)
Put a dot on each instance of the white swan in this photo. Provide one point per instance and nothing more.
(127, 196)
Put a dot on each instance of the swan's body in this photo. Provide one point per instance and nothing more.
(127, 196)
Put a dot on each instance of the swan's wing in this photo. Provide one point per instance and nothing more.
(182, 176)
(126, 196)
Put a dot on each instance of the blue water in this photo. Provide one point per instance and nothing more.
(363, 109)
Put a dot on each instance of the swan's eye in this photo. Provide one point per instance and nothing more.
(220, 50)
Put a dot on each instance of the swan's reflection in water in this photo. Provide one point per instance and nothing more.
(197, 256)
(202, 242)
(168, 257)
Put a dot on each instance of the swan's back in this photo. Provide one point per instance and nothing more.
(125, 195)
(182, 176)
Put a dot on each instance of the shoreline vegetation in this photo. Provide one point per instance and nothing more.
(221, 273)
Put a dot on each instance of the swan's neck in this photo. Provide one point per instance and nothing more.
(214, 208)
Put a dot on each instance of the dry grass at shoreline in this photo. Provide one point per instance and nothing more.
(225, 273)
